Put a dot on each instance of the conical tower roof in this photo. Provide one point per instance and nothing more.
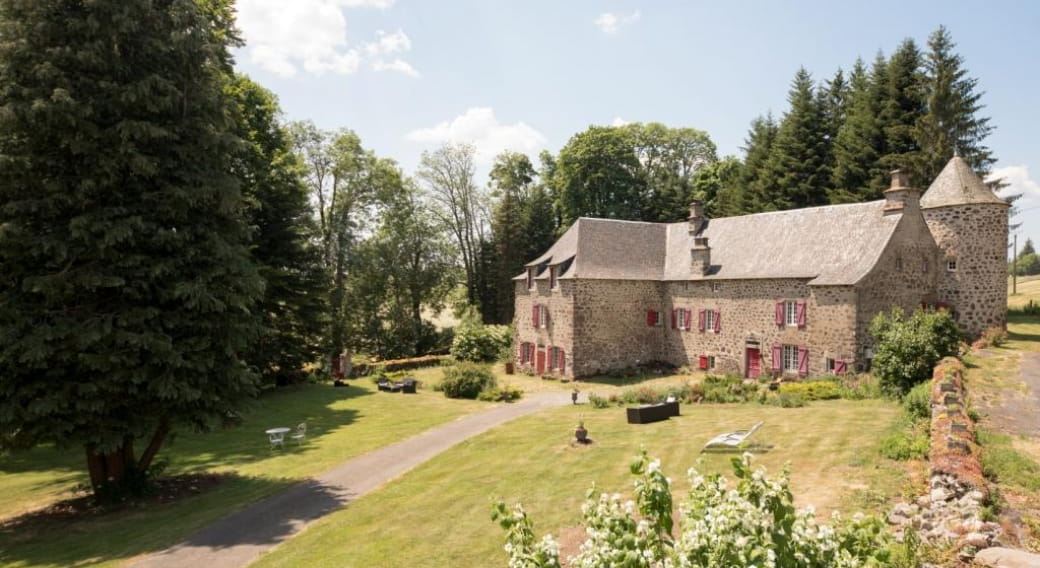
(957, 185)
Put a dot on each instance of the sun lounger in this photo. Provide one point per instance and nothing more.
(731, 440)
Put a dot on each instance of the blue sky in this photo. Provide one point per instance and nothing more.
(408, 75)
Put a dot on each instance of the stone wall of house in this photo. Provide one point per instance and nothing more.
(560, 329)
(975, 236)
(747, 311)
(610, 320)
(904, 276)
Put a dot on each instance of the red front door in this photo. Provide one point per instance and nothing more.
(541, 360)
(754, 363)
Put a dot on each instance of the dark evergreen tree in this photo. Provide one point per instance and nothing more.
(833, 98)
(127, 294)
(512, 179)
(744, 193)
(859, 142)
(293, 306)
(952, 124)
(796, 174)
(903, 108)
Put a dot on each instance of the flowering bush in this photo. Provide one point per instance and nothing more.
(754, 524)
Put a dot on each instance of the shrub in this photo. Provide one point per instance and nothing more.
(1030, 309)
(909, 442)
(598, 401)
(918, 402)
(992, 337)
(466, 380)
(861, 387)
(785, 400)
(481, 343)
(754, 523)
(727, 389)
(824, 389)
(504, 393)
(907, 349)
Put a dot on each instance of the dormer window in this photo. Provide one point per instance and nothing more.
(552, 277)
(530, 278)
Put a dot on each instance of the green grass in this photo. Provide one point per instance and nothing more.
(1007, 466)
(342, 423)
(438, 514)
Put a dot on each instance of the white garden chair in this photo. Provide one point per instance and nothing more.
(731, 440)
(301, 433)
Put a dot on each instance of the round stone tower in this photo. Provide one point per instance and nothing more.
(970, 225)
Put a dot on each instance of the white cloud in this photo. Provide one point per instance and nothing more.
(618, 121)
(1018, 180)
(609, 22)
(480, 127)
(284, 36)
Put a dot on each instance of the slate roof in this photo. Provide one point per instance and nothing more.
(957, 184)
(831, 245)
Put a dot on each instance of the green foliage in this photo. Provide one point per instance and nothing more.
(908, 348)
(293, 304)
(910, 441)
(598, 401)
(504, 393)
(823, 389)
(1003, 463)
(481, 343)
(1031, 308)
(128, 293)
(917, 402)
(727, 389)
(466, 380)
(861, 387)
(754, 523)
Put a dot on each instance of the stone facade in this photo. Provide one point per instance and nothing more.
(611, 291)
(974, 237)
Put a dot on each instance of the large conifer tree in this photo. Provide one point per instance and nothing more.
(903, 107)
(859, 141)
(127, 290)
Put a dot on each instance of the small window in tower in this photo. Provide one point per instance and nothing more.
(899, 264)
(951, 265)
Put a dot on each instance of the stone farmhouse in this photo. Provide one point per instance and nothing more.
(784, 293)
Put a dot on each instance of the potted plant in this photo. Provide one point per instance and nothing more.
(506, 357)
(580, 433)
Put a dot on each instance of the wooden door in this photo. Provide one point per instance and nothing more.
(753, 363)
(540, 368)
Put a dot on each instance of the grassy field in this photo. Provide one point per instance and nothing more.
(342, 423)
(438, 514)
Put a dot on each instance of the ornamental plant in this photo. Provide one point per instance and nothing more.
(751, 524)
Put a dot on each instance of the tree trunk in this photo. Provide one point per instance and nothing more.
(109, 469)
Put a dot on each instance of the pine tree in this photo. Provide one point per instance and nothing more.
(859, 143)
(744, 192)
(904, 106)
(127, 291)
(512, 177)
(952, 124)
(284, 233)
(796, 174)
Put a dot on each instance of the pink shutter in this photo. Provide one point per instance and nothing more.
(673, 319)
(563, 360)
(803, 361)
(780, 313)
(534, 315)
(778, 357)
(801, 313)
(649, 318)
(700, 320)
(840, 367)
(718, 321)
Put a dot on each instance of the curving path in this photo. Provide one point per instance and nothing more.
(239, 538)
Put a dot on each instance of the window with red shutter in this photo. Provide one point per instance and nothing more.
(803, 361)
(840, 368)
(780, 313)
(649, 318)
(702, 362)
(800, 309)
(778, 356)
(700, 320)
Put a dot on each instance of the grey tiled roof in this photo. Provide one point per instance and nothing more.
(832, 245)
(957, 184)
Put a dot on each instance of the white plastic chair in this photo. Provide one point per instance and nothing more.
(276, 439)
(301, 433)
(731, 440)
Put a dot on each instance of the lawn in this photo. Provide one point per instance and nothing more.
(342, 423)
(438, 514)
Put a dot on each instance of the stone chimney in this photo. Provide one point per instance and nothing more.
(697, 219)
(900, 197)
(700, 257)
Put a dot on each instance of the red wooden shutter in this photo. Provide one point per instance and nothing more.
(702, 362)
(718, 321)
(780, 313)
(673, 319)
(803, 361)
(778, 357)
(839, 367)
(563, 360)
(801, 313)
(700, 320)
(534, 315)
